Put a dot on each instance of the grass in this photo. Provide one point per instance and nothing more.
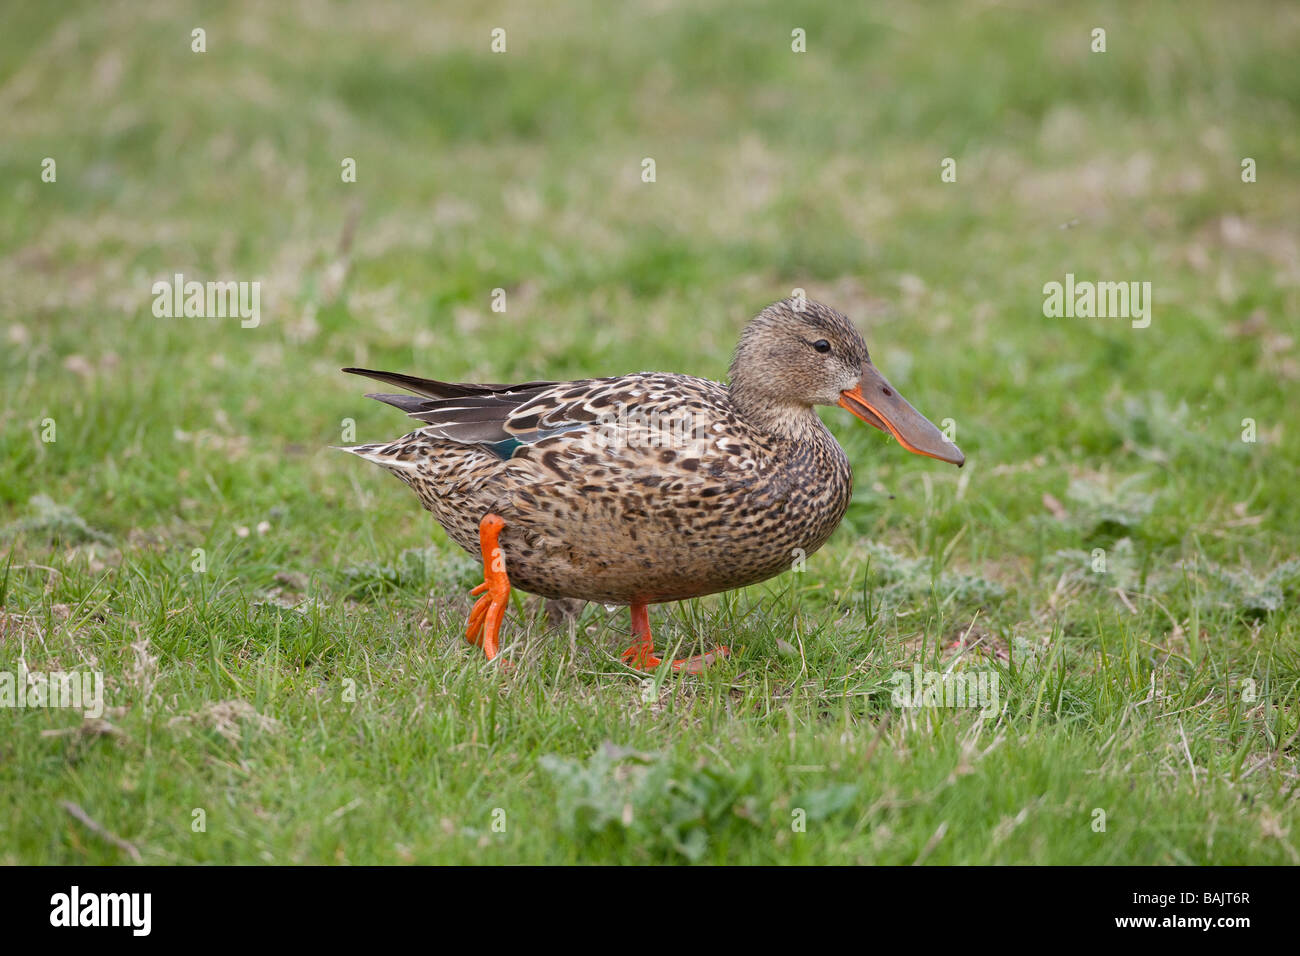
(308, 691)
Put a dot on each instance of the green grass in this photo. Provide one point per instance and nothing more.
(1164, 692)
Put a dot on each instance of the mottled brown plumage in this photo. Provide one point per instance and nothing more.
(653, 487)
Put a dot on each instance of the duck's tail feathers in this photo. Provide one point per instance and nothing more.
(440, 390)
(421, 386)
(381, 453)
(411, 404)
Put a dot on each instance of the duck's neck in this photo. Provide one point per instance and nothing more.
(791, 422)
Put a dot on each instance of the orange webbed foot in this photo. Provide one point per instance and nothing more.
(484, 627)
(641, 655)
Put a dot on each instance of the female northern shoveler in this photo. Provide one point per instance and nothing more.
(652, 487)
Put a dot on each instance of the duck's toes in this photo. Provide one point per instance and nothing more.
(641, 655)
(637, 656)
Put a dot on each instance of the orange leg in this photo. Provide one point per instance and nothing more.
(484, 627)
(641, 655)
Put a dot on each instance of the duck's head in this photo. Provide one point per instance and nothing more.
(793, 356)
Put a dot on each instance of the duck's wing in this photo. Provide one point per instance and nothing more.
(502, 417)
(509, 417)
(655, 421)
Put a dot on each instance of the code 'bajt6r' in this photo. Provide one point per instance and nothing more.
(651, 487)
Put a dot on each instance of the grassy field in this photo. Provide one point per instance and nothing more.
(279, 626)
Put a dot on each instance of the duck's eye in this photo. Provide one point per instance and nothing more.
(821, 345)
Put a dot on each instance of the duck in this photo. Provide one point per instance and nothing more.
(651, 487)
